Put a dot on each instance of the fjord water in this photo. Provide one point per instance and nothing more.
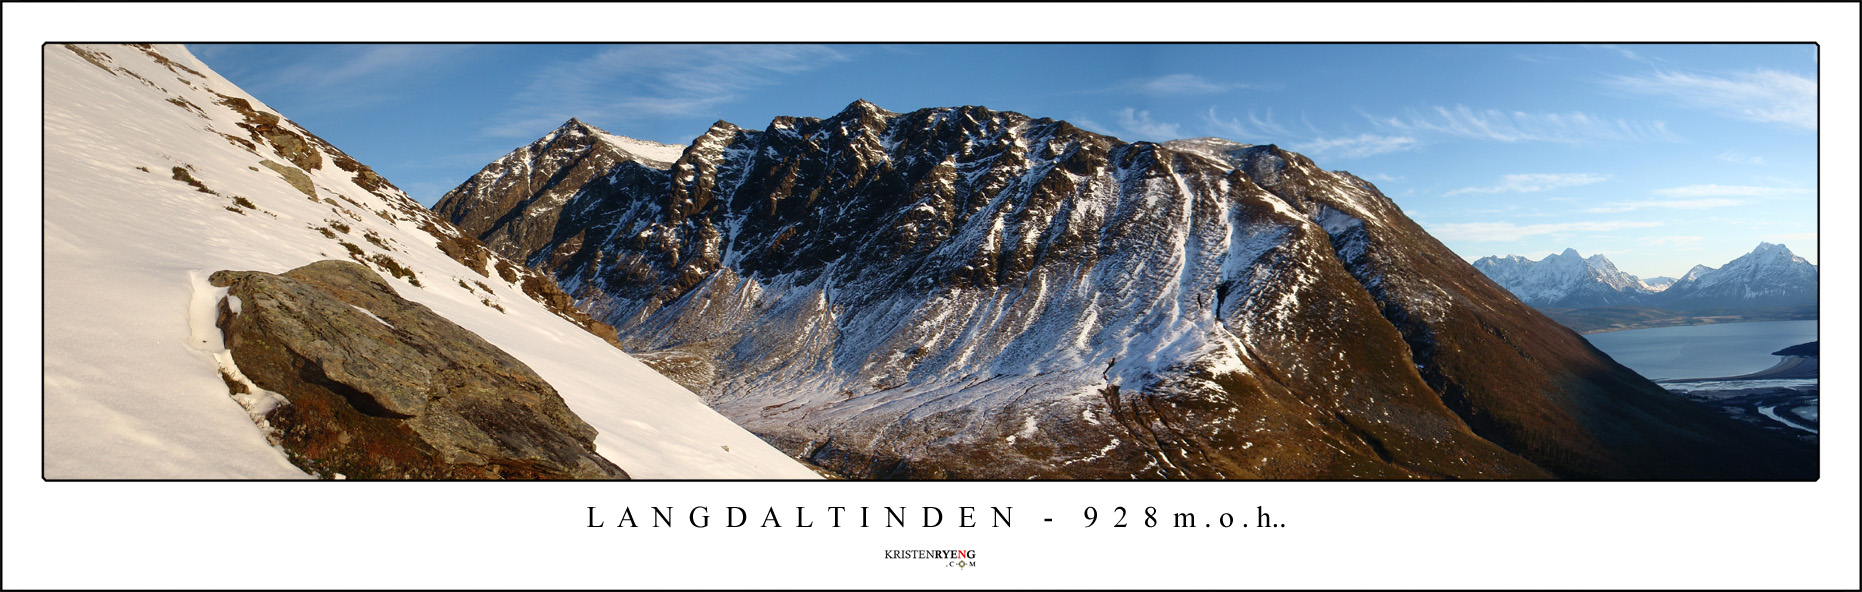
(1703, 351)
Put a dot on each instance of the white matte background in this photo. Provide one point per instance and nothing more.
(1339, 535)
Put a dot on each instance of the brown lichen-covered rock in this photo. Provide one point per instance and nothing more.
(384, 388)
(294, 176)
(286, 143)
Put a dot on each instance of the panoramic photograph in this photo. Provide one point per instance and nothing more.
(931, 295)
(931, 262)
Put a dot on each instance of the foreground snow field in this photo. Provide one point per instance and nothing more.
(131, 388)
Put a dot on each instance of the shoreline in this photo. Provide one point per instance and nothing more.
(1752, 399)
(1683, 322)
(1789, 367)
(1610, 319)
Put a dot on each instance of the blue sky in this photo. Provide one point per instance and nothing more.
(1658, 156)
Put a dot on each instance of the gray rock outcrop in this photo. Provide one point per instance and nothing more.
(384, 388)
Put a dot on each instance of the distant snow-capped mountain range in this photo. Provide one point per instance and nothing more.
(1769, 276)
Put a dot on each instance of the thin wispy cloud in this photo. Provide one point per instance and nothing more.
(1765, 96)
(345, 77)
(1626, 53)
(1735, 156)
(646, 82)
(1711, 190)
(1266, 129)
(1179, 85)
(1138, 123)
(1527, 183)
(1357, 147)
(1510, 232)
(370, 62)
(1518, 126)
(1255, 128)
(1091, 125)
(1173, 85)
(1672, 204)
(208, 51)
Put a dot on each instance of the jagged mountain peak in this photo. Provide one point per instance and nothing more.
(1770, 254)
(538, 178)
(1602, 263)
(1657, 284)
(1497, 258)
(1213, 141)
(1695, 272)
(863, 107)
(574, 127)
(646, 152)
(720, 127)
(1220, 149)
(1777, 252)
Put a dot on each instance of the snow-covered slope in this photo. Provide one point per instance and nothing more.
(654, 154)
(1565, 280)
(131, 382)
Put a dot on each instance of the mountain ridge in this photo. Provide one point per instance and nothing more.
(959, 292)
(1565, 280)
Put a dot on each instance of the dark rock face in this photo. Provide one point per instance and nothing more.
(514, 204)
(383, 388)
(964, 293)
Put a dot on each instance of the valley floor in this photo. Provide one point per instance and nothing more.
(1782, 398)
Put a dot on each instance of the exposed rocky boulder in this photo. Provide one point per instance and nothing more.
(384, 388)
(294, 176)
